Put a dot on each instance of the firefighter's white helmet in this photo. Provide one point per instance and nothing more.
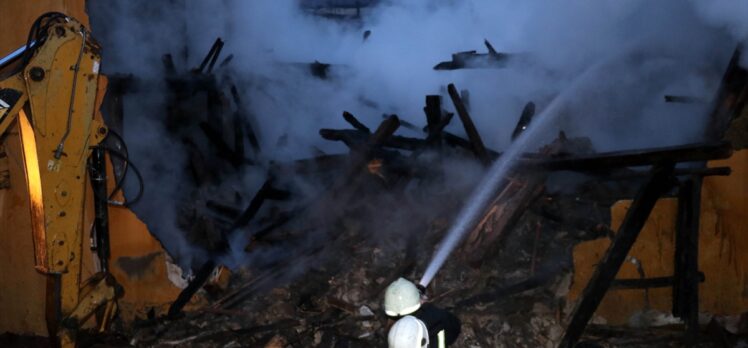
(408, 332)
(401, 298)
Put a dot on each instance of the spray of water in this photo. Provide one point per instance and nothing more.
(485, 191)
(479, 198)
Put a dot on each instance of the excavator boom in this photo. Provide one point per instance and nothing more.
(49, 88)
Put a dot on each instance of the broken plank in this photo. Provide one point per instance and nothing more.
(647, 283)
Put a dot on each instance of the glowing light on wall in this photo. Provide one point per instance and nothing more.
(34, 184)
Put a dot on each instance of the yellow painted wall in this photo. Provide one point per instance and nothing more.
(723, 243)
(23, 289)
(724, 238)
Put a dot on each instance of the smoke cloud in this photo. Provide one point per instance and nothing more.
(612, 61)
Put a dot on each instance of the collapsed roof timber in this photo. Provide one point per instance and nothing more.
(334, 173)
(384, 178)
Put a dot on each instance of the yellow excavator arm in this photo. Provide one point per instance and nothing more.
(49, 87)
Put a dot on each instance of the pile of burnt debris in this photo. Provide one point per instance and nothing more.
(328, 234)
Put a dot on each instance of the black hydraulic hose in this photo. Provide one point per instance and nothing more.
(141, 189)
(36, 37)
(97, 172)
(121, 179)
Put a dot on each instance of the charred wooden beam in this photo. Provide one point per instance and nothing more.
(269, 275)
(489, 47)
(682, 99)
(168, 61)
(357, 139)
(512, 200)
(184, 297)
(372, 147)
(633, 158)
(524, 119)
(361, 154)
(266, 192)
(198, 169)
(224, 210)
(506, 291)
(475, 60)
(211, 57)
(434, 118)
(702, 172)
(405, 143)
(353, 121)
(605, 272)
(433, 111)
(320, 70)
(238, 123)
(211, 336)
(648, 283)
(263, 233)
(247, 121)
(478, 148)
(457, 141)
(222, 148)
(385, 130)
(405, 124)
(465, 97)
(437, 120)
(686, 285)
(215, 56)
(350, 137)
(226, 61)
(595, 163)
(343, 188)
(439, 128)
(323, 163)
(730, 98)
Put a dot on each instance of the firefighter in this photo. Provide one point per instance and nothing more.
(408, 332)
(402, 299)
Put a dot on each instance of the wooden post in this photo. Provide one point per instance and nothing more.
(433, 112)
(478, 148)
(686, 277)
(605, 273)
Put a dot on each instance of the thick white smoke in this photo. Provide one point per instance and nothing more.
(652, 49)
(639, 51)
